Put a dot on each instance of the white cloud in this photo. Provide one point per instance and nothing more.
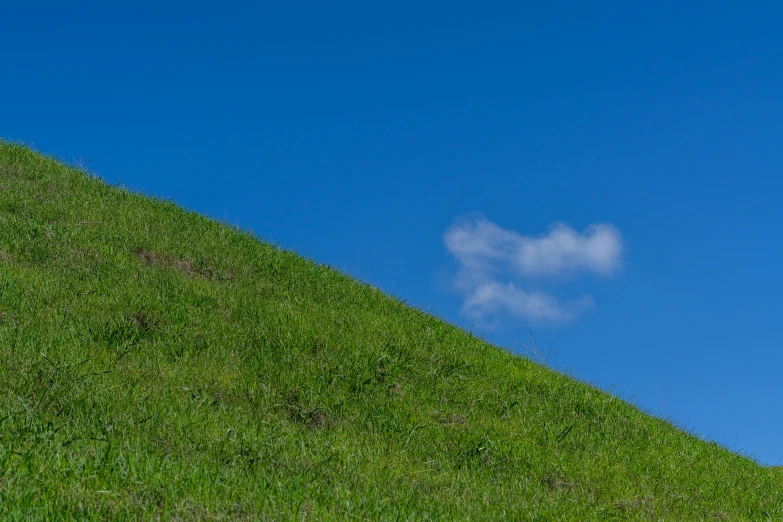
(480, 243)
(494, 297)
(488, 253)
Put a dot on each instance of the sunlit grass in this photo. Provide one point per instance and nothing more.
(156, 364)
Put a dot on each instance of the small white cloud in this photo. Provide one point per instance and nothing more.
(487, 252)
(497, 298)
(479, 243)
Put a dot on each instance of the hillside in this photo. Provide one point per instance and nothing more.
(156, 364)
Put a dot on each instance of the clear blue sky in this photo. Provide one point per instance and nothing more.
(618, 165)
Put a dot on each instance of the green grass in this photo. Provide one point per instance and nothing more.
(156, 364)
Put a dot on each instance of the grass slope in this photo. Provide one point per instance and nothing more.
(156, 364)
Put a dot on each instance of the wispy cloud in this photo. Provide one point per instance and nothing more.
(496, 264)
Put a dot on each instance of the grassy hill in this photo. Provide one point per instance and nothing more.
(156, 364)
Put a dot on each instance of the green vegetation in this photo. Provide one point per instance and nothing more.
(156, 364)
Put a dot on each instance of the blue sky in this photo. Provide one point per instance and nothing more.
(615, 168)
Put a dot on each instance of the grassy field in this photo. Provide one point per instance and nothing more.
(156, 364)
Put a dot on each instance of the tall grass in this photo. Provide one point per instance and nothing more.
(156, 364)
